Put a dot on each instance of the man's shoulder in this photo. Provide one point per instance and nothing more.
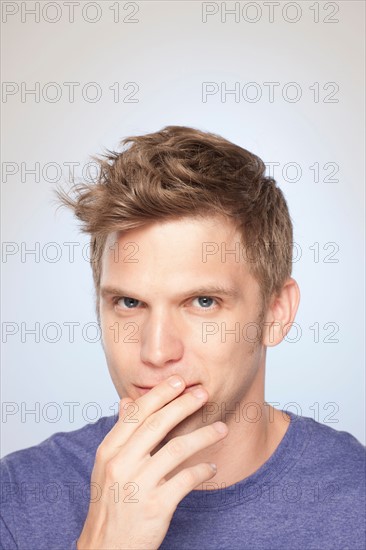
(58, 453)
(45, 488)
(330, 440)
(331, 451)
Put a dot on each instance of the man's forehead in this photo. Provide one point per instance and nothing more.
(199, 224)
(186, 261)
(199, 252)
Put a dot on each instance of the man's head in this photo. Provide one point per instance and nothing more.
(179, 172)
(191, 263)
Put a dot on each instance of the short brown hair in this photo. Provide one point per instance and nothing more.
(183, 172)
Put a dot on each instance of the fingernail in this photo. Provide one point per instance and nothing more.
(198, 392)
(220, 427)
(175, 382)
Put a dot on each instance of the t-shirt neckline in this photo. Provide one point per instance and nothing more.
(285, 456)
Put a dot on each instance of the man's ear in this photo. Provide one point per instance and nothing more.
(281, 313)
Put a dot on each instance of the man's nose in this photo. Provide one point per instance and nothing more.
(161, 339)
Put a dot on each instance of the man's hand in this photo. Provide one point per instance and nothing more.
(139, 518)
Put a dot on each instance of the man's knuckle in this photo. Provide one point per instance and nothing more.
(112, 470)
(175, 447)
(100, 454)
(188, 478)
(153, 423)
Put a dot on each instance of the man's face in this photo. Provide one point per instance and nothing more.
(166, 318)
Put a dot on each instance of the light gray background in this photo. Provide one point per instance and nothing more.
(169, 52)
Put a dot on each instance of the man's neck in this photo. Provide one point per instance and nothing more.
(244, 450)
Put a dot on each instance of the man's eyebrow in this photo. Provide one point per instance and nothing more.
(214, 289)
(208, 290)
(112, 290)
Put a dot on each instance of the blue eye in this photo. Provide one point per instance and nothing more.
(205, 301)
(127, 302)
(124, 302)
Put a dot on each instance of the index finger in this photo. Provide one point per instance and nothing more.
(134, 413)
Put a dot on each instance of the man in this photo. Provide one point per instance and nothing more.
(192, 270)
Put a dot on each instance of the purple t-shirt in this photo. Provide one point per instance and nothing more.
(310, 494)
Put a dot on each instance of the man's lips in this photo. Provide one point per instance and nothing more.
(142, 390)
